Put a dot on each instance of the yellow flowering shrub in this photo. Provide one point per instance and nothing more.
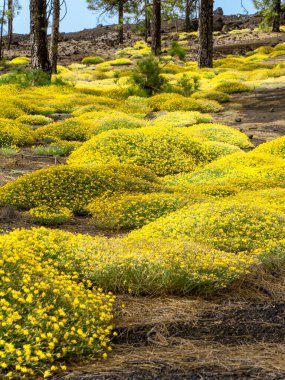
(220, 132)
(218, 149)
(161, 266)
(74, 187)
(115, 62)
(275, 197)
(180, 119)
(93, 60)
(189, 104)
(13, 133)
(128, 211)
(47, 316)
(228, 225)
(19, 61)
(73, 129)
(163, 150)
(157, 102)
(272, 255)
(275, 147)
(232, 87)
(34, 119)
(10, 111)
(50, 216)
(117, 122)
(244, 170)
(219, 96)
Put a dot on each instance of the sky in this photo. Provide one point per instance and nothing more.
(79, 17)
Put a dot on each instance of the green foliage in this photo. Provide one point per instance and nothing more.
(147, 75)
(177, 50)
(26, 77)
(59, 148)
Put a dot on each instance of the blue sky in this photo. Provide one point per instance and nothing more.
(79, 17)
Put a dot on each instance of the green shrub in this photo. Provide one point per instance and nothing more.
(59, 148)
(146, 75)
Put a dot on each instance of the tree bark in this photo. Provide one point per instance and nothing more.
(187, 16)
(156, 28)
(55, 36)
(146, 20)
(2, 29)
(39, 23)
(10, 23)
(121, 21)
(205, 58)
(277, 15)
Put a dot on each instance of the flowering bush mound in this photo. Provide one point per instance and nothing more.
(13, 133)
(34, 119)
(181, 119)
(232, 87)
(275, 147)
(163, 150)
(73, 129)
(50, 216)
(48, 316)
(92, 60)
(219, 132)
(74, 187)
(175, 102)
(128, 211)
(243, 170)
(228, 225)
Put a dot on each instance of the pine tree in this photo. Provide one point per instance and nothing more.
(205, 58)
(156, 28)
(39, 43)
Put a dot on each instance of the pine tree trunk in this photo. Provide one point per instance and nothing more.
(187, 16)
(2, 29)
(146, 20)
(156, 28)
(10, 23)
(39, 53)
(205, 58)
(55, 36)
(277, 15)
(121, 21)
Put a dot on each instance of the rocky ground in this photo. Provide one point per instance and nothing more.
(102, 40)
